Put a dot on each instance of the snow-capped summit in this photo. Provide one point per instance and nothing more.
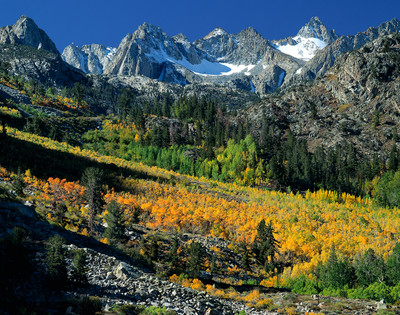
(218, 31)
(311, 38)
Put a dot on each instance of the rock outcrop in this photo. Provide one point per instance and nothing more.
(356, 101)
(325, 58)
(14, 95)
(26, 32)
(33, 55)
(92, 58)
(38, 64)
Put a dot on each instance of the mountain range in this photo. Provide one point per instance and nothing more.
(244, 60)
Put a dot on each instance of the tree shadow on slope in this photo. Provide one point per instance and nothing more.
(44, 163)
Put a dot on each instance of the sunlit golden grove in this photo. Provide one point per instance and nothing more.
(306, 226)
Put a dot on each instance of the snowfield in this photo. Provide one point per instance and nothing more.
(205, 68)
(305, 49)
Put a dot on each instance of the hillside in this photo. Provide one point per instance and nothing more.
(356, 101)
(192, 209)
(123, 192)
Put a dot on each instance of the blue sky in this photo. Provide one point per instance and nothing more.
(107, 22)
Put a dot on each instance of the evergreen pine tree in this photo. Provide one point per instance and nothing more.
(60, 211)
(265, 246)
(336, 273)
(92, 180)
(19, 183)
(56, 265)
(172, 255)
(245, 256)
(393, 266)
(79, 271)
(154, 248)
(114, 218)
(213, 265)
(369, 268)
(196, 254)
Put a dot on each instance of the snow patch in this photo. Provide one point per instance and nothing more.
(305, 49)
(216, 32)
(206, 68)
(299, 71)
(110, 52)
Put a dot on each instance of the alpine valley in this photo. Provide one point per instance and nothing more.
(229, 175)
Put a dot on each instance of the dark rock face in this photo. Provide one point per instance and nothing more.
(41, 65)
(26, 32)
(33, 55)
(9, 93)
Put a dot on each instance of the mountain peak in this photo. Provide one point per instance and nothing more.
(389, 26)
(250, 31)
(315, 19)
(24, 17)
(316, 29)
(27, 22)
(218, 31)
(26, 32)
(180, 38)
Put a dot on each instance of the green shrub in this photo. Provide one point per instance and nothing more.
(303, 285)
(154, 310)
(89, 305)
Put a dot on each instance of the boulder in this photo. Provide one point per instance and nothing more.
(381, 305)
(124, 271)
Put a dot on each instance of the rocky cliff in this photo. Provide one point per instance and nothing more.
(33, 55)
(38, 64)
(26, 32)
(356, 101)
(244, 60)
(325, 58)
(92, 58)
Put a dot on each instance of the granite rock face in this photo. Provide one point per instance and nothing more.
(316, 29)
(245, 60)
(325, 58)
(33, 55)
(356, 101)
(89, 58)
(26, 32)
(39, 65)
